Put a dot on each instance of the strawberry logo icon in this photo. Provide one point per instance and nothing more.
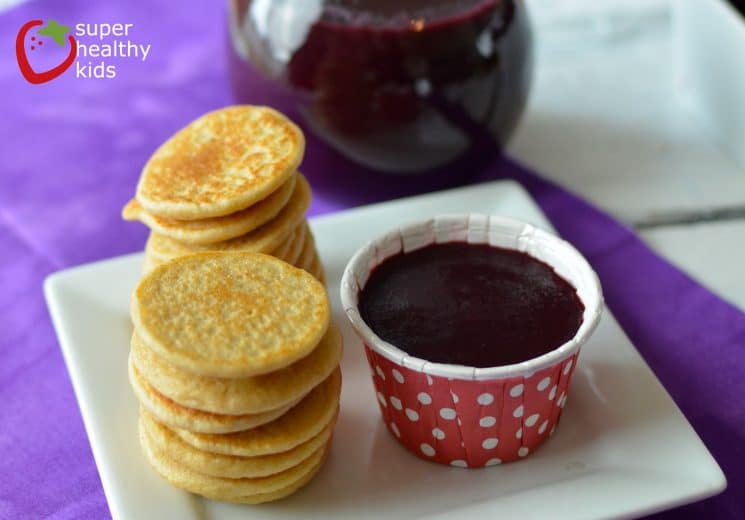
(59, 34)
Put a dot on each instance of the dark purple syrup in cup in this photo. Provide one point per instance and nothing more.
(387, 83)
(473, 305)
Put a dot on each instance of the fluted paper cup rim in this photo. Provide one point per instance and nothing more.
(474, 229)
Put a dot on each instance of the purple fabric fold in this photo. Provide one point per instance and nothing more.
(71, 153)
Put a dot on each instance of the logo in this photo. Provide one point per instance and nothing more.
(58, 34)
(45, 51)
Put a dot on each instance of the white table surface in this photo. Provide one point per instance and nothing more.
(604, 120)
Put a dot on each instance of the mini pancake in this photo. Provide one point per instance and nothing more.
(230, 314)
(283, 251)
(226, 466)
(307, 253)
(261, 240)
(293, 243)
(173, 414)
(227, 489)
(293, 254)
(303, 422)
(311, 262)
(215, 229)
(290, 247)
(240, 396)
(221, 163)
(261, 498)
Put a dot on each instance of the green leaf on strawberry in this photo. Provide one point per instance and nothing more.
(56, 31)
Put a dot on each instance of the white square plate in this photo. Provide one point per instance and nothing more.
(623, 448)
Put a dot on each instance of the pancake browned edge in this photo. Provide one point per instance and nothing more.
(173, 414)
(227, 466)
(263, 239)
(240, 396)
(304, 421)
(243, 491)
(216, 229)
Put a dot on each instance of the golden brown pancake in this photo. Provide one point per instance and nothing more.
(303, 422)
(230, 314)
(243, 490)
(240, 396)
(215, 229)
(293, 252)
(227, 466)
(175, 415)
(261, 240)
(221, 163)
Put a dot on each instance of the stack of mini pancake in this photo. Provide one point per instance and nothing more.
(228, 182)
(236, 366)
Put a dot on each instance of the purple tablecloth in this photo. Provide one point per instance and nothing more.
(70, 154)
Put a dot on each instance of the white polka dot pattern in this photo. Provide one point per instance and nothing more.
(428, 450)
(447, 413)
(485, 399)
(487, 422)
(470, 424)
(424, 398)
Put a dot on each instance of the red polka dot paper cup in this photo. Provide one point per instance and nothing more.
(466, 416)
